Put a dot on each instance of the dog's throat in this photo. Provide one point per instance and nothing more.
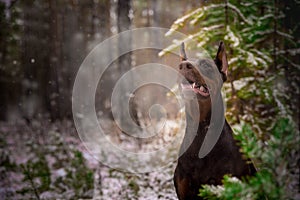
(194, 137)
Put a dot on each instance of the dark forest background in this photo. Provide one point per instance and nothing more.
(43, 44)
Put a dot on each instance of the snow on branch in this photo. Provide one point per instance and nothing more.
(297, 66)
(286, 35)
(199, 34)
(235, 9)
(263, 55)
(292, 52)
(180, 21)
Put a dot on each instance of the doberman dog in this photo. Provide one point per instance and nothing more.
(225, 157)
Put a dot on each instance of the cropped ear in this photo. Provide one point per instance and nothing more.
(182, 52)
(221, 61)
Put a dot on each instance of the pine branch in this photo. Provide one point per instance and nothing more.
(238, 11)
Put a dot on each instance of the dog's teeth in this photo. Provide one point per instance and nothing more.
(202, 89)
(194, 85)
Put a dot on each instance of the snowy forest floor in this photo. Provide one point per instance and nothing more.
(43, 160)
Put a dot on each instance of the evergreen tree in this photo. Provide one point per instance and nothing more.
(257, 48)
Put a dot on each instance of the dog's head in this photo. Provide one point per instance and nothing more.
(195, 79)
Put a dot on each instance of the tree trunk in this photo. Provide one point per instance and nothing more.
(124, 61)
(102, 25)
(52, 95)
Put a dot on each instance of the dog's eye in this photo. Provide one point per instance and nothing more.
(205, 65)
(206, 70)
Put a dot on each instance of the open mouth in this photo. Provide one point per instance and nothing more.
(196, 87)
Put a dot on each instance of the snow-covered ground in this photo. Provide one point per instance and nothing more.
(22, 142)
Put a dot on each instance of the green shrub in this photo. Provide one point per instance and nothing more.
(276, 158)
(75, 179)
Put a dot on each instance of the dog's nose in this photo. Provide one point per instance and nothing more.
(185, 66)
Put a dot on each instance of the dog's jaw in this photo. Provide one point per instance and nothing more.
(197, 88)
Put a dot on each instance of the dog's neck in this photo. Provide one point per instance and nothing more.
(194, 135)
